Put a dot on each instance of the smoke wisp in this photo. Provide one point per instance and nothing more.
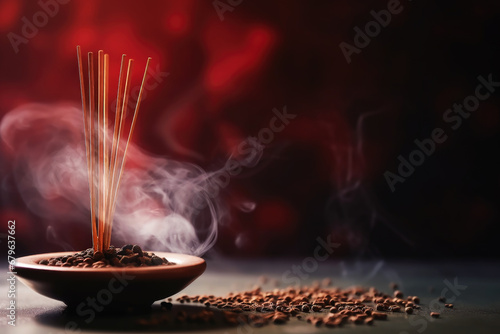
(155, 202)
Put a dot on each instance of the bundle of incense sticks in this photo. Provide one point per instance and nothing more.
(105, 160)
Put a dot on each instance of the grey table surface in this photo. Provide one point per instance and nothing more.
(476, 300)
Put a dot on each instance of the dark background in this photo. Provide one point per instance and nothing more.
(324, 174)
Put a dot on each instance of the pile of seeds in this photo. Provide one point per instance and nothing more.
(331, 307)
(127, 256)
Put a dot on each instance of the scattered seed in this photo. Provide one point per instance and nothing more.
(279, 320)
(156, 260)
(379, 315)
(398, 294)
(316, 308)
(136, 249)
(98, 256)
(332, 306)
(166, 306)
(356, 320)
(317, 322)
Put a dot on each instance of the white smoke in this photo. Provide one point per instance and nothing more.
(161, 204)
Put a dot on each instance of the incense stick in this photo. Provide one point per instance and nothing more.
(87, 137)
(105, 165)
(132, 126)
(100, 140)
(92, 150)
(105, 137)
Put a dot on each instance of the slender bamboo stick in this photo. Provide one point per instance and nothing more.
(104, 143)
(85, 108)
(116, 138)
(100, 156)
(92, 142)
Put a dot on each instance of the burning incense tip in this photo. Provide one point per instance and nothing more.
(105, 164)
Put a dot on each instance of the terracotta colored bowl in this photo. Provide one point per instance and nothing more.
(113, 288)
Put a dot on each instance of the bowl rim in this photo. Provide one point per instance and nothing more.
(181, 261)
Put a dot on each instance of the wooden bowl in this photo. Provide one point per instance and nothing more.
(111, 288)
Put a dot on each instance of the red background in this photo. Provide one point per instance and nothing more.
(322, 175)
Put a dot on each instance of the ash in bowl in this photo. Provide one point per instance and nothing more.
(126, 256)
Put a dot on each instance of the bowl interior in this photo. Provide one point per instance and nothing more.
(111, 288)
